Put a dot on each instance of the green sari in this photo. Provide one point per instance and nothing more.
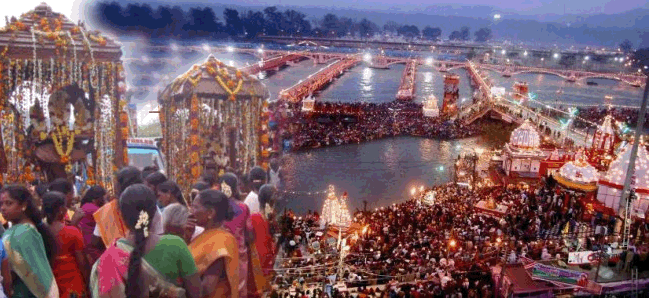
(28, 259)
(110, 273)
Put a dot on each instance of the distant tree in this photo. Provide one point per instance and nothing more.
(253, 23)
(331, 24)
(455, 35)
(296, 23)
(367, 28)
(626, 46)
(408, 31)
(482, 35)
(273, 20)
(568, 60)
(233, 23)
(203, 23)
(391, 27)
(641, 58)
(431, 33)
(466, 34)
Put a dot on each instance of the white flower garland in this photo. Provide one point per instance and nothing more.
(143, 223)
(225, 189)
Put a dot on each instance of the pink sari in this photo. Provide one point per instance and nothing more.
(110, 272)
(237, 227)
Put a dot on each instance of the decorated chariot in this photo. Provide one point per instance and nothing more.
(62, 101)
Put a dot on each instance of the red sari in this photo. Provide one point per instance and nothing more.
(65, 268)
(263, 242)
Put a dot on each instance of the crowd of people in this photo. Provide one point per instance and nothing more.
(145, 240)
(446, 249)
(344, 123)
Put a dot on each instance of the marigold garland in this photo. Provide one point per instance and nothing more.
(58, 138)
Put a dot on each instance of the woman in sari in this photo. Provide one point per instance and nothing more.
(29, 244)
(144, 264)
(250, 273)
(215, 250)
(93, 199)
(263, 239)
(70, 267)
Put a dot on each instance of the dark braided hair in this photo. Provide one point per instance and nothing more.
(24, 196)
(53, 201)
(134, 199)
(217, 201)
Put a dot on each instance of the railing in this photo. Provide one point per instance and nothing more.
(270, 63)
(316, 81)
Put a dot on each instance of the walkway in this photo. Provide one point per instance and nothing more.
(272, 63)
(408, 80)
(318, 80)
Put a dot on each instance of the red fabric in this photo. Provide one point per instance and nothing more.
(263, 242)
(66, 270)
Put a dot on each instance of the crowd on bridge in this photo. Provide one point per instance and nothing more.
(344, 123)
(445, 248)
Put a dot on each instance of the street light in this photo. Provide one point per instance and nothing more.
(586, 58)
(525, 53)
(556, 55)
(230, 49)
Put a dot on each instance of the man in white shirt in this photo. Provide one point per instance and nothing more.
(256, 178)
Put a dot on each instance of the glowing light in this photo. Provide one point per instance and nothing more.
(497, 16)
(587, 58)
(174, 47)
(525, 53)
(452, 243)
(230, 49)
(206, 48)
(260, 51)
(429, 61)
(556, 55)
(503, 52)
(367, 57)
(498, 240)
(441, 168)
(421, 188)
(413, 191)
(479, 150)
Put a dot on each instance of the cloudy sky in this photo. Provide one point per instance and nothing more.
(76, 8)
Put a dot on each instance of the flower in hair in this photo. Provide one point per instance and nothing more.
(143, 223)
(226, 189)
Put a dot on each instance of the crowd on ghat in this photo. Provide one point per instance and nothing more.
(413, 249)
(145, 240)
(358, 122)
(596, 115)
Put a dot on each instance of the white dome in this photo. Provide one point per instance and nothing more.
(525, 137)
(579, 172)
(617, 171)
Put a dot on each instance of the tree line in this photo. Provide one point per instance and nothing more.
(203, 22)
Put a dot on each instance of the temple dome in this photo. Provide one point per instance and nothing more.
(579, 171)
(525, 137)
(617, 171)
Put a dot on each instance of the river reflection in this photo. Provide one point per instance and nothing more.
(381, 172)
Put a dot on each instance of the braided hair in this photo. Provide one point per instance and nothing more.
(137, 205)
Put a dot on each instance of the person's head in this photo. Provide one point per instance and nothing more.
(211, 208)
(54, 207)
(155, 179)
(274, 164)
(266, 196)
(148, 170)
(137, 205)
(197, 188)
(232, 182)
(126, 177)
(96, 195)
(18, 206)
(209, 177)
(65, 187)
(174, 218)
(169, 192)
(257, 178)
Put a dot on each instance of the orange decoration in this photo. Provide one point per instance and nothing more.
(265, 140)
(239, 74)
(264, 165)
(196, 172)
(123, 117)
(65, 159)
(232, 97)
(265, 153)
(231, 84)
(194, 123)
(194, 140)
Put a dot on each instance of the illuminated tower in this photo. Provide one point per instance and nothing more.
(451, 94)
(334, 211)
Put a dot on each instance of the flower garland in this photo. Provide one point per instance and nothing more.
(57, 138)
(229, 85)
(194, 137)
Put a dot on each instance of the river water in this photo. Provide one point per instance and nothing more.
(383, 171)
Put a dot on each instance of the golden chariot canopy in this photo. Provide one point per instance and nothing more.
(214, 117)
(60, 92)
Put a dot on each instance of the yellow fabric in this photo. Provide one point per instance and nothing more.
(574, 185)
(261, 283)
(212, 245)
(110, 223)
